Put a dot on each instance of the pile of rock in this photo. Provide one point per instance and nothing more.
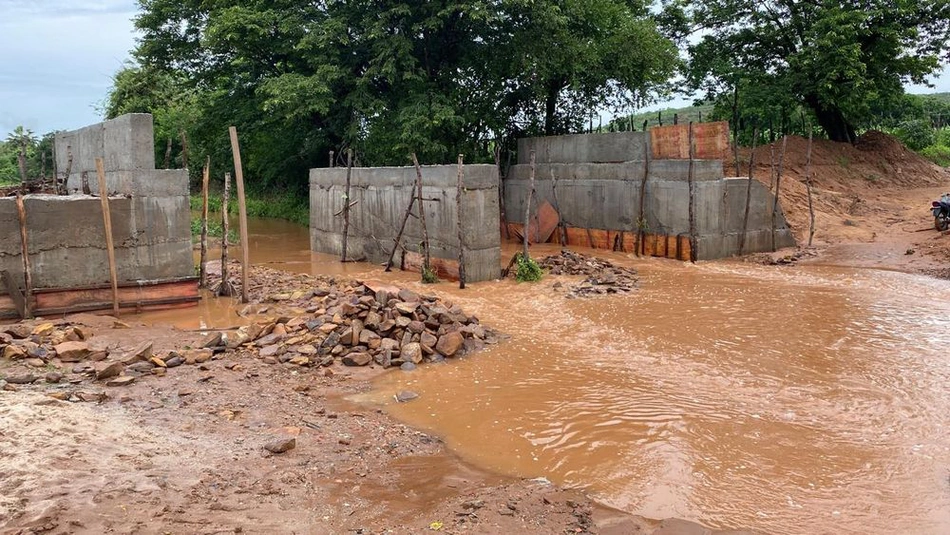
(601, 276)
(359, 324)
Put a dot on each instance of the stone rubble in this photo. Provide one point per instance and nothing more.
(602, 277)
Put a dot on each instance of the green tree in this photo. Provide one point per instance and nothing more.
(837, 58)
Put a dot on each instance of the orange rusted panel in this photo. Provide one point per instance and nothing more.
(671, 142)
(133, 297)
(544, 223)
(444, 269)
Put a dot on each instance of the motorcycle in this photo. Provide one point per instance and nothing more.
(941, 212)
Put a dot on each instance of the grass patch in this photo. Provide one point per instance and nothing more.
(215, 230)
(528, 269)
(429, 276)
(284, 206)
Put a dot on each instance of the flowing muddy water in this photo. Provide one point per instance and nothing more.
(788, 400)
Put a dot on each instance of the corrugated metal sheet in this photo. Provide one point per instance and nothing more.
(672, 142)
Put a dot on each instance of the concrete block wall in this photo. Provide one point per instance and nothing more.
(383, 194)
(598, 193)
(151, 218)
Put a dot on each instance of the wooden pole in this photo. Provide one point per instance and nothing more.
(426, 266)
(778, 185)
(458, 209)
(811, 206)
(641, 220)
(692, 196)
(69, 169)
(332, 154)
(24, 251)
(501, 191)
(168, 153)
(225, 287)
(748, 192)
(346, 202)
(402, 228)
(107, 220)
(527, 207)
(184, 150)
(203, 258)
(561, 225)
(242, 209)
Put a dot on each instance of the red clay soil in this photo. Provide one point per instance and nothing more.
(871, 201)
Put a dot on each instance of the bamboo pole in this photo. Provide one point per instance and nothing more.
(203, 258)
(242, 209)
(778, 185)
(811, 206)
(641, 221)
(107, 220)
(426, 266)
(24, 251)
(692, 196)
(748, 192)
(402, 228)
(225, 287)
(346, 202)
(458, 209)
(527, 207)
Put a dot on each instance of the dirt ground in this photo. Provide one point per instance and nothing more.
(187, 449)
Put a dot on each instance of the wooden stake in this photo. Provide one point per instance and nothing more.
(501, 191)
(203, 258)
(640, 246)
(107, 220)
(527, 207)
(332, 154)
(778, 185)
(422, 215)
(69, 168)
(27, 311)
(242, 209)
(402, 228)
(811, 206)
(692, 196)
(748, 192)
(168, 153)
(561, 225)
(458, 209)
(346, 202)
(225, 287)
(184, 150)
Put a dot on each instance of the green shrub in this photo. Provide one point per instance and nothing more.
(215, 229)
(286, 206)
(916, 134)
(429, 276)
(528, 269)
(938, 154)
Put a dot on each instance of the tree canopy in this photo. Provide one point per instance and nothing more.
(838, 59)
(385, 77)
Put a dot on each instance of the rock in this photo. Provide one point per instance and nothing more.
(357, 327)
(98, 356)
(140, 367)
(159, 371)
(37, 352)
(450, 343)
(306, 349)
(212, 340)
(21, 379)
(140, 352)
(384, 358)
(428, 339)
(19, 331)
(357, 359)
(120, 325)
(122, 380)
(112, 370)
(155, 361)
(197, 356)
(367, 336)
(270, 360)
(407, 366)
(12, 352)
(53, 377)
(84, 369)
(416, 327)
(43, 329)
(408, 295)
(300, 361)
(281, 445)
(236, 339)
(270, 351)
(402, 322)
(406, 308)
(411, 352)
(35, 363)
(174, 361)
(253, 331)
(406, 396)
(72, 351)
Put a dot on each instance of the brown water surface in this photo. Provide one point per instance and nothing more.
(789, 400)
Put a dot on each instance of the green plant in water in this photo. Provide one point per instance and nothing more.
(528, 269)
(429, 275)
(215, 230)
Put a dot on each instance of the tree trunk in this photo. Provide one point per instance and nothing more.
(550, 107)
(832, 121)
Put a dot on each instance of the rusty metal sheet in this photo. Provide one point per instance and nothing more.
(671, 142)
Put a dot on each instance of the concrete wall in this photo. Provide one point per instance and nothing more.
(151, 219)
(598, 195)
(383, 195)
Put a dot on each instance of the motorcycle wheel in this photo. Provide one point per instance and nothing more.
(941, 223)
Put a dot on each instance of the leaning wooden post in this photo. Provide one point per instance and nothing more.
(641, 221)
(346, 202)
(107, 220)
(402, 228)
(501, 190)
(692, 196)
(778, 185)
(458, 209)
(527, 206)
(242, 210)
(225, 287)
(202, 271)
(426, 266)
(748, 192)
(811, 206)
(24, 251)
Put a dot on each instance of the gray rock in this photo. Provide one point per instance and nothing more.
(406, 396)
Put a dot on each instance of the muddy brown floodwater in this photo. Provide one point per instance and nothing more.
(801, 399)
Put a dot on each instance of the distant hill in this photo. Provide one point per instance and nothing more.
(683, 115)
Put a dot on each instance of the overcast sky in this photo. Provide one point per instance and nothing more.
(57, 58)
